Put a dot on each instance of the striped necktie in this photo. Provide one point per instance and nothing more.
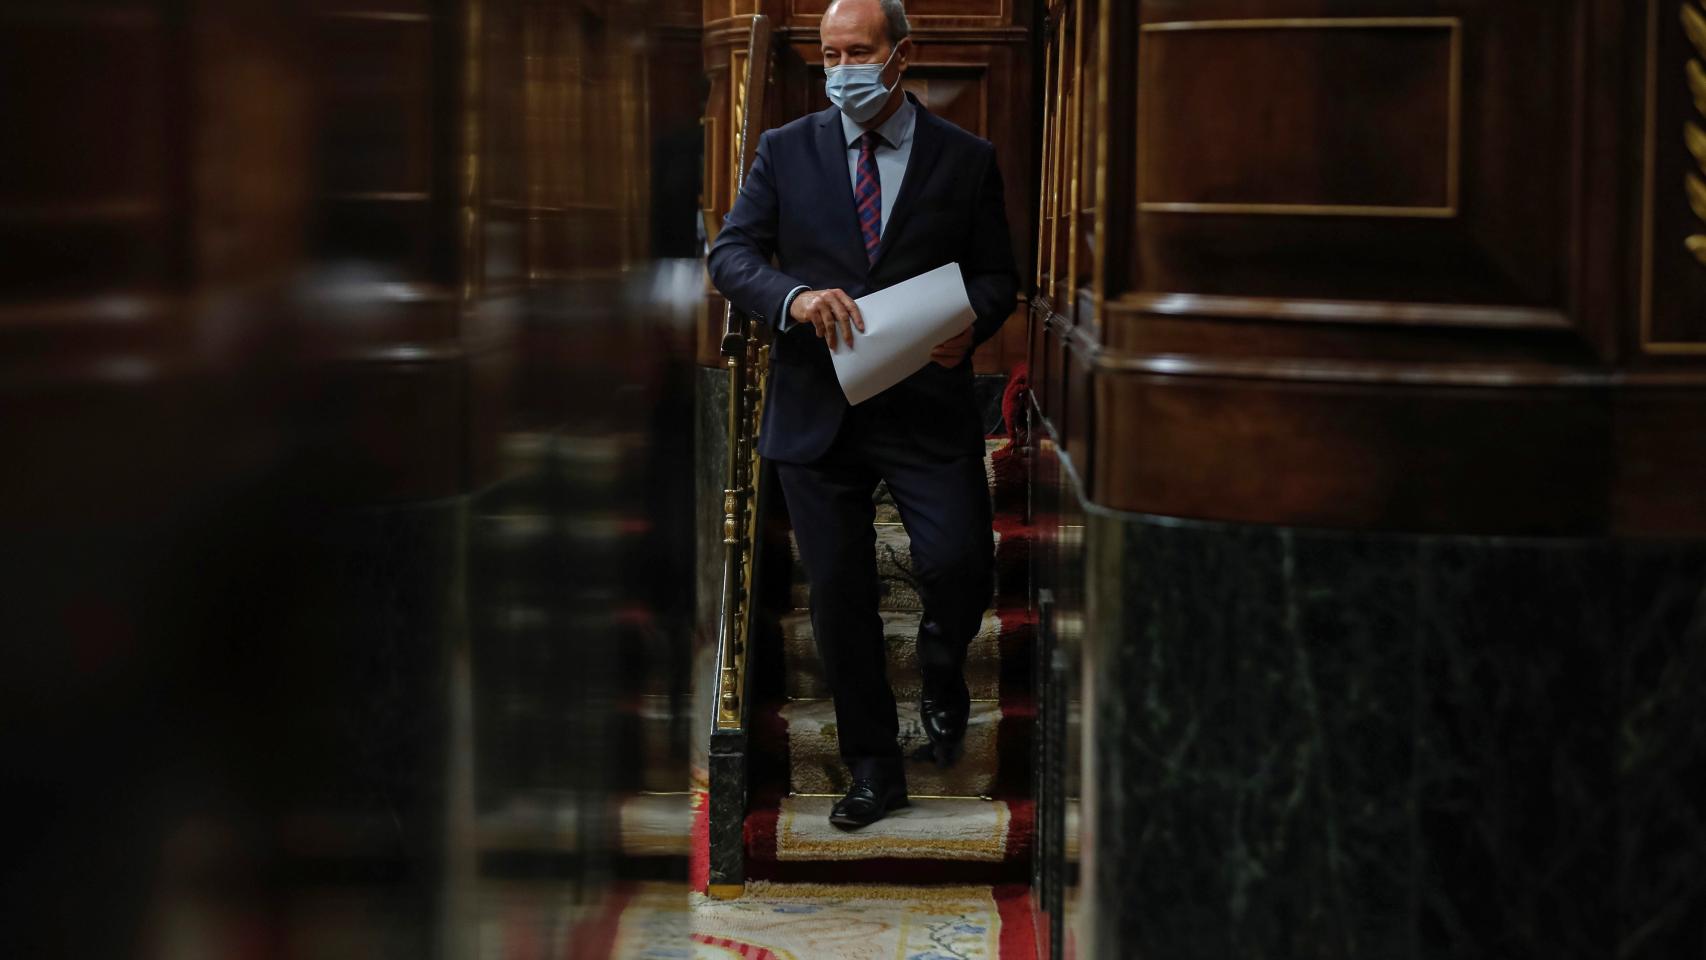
(868, 195)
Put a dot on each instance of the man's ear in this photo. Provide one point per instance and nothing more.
(903, 54)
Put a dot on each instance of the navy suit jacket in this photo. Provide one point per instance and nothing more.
(793, 224)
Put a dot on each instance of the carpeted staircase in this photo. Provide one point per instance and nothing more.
(971, 823)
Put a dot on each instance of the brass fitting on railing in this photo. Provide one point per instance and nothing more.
(747, 359)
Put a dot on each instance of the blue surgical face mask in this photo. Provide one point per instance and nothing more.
(857, 88)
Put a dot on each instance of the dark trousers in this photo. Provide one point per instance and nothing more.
(944, 504)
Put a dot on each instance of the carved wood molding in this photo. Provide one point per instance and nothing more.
(1292, 310)
(1442, 373)
(1694, 25)
(1692, 17)
(1466, 408)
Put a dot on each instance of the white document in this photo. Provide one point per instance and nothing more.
(902, 325)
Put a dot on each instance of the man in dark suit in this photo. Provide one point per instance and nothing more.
(839, 204)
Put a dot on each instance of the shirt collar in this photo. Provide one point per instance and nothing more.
(897, 129)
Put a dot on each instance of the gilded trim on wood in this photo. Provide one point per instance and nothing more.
(1075, 162)
(1054, 190)
(1046, 164)
(473, 119)
(1104, 113)
(1358, 312)
(1649, 175)
(1300, 210)
(1305, 23)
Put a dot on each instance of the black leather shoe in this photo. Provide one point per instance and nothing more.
(944, 720)
(867, 801)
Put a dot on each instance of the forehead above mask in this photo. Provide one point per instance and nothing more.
(849, 23)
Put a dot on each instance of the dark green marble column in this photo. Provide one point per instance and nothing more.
(1323, 745)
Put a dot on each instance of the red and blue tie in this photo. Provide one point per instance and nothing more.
(868, 194)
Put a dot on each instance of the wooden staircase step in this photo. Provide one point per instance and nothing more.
(900, 634)
(896, 588)
(935, 840)
(814, 758)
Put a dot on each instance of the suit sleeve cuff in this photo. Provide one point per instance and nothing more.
(783, 319)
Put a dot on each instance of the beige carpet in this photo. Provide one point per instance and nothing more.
(900, 636)
(950, 829)
(896, 588)
(806, 922)
(814, 755)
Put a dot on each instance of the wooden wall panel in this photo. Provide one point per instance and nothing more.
(382, 160)
(1323, 454)
(150, 189)
(677, 87)
(1403, 158)
(1425, 269)
(1277, 135)
(378, 169)
(343, 198)
(377, 100)
(84, 199)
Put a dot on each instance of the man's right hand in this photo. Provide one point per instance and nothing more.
(832, 313)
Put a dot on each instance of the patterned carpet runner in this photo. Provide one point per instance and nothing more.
(806, 922)
(946, 878)
(971, 823)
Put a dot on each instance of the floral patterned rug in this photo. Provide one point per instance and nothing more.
(813, 922)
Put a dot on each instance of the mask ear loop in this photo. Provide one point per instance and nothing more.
(892, 51)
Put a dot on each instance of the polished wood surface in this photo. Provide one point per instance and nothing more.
(128, 271)
(1331, 454)
(1428, 271)
(1288, 140)
(345, 445)
(1411, 159)
(354, 194)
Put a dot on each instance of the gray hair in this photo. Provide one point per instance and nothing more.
(894, 14)
(894, 19)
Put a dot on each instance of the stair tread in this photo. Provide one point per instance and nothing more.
(953, 832)
(900, 637)
(889, 532)
(815, 765)
(816, 714)
(897, 589)
(889, 512)
(899, 624)
(964, 829)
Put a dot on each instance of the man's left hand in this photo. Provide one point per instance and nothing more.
(951, 351)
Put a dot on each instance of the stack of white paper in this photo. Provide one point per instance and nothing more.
(902, 325)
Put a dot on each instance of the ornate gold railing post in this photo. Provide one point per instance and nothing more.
(747, 357)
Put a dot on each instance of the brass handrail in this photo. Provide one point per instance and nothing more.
(748, 362)
(747, 357)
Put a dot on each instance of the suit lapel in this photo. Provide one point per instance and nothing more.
(926, 150)
(832, 157)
